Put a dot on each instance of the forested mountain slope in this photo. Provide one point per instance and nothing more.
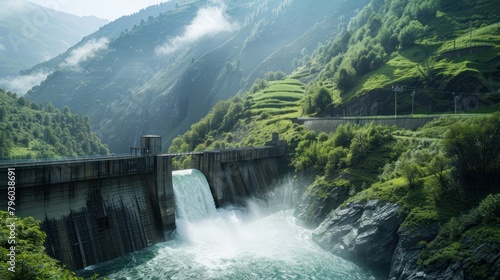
(388, 43)
(165, 73)
(30, 130)
(441, 50)
(403, 203)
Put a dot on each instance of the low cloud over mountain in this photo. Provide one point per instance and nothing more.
(208, 22)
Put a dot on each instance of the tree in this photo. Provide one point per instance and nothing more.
(49, 136)
(438, 165)
(66, 110)
(411, 171)
(345, 79)
(475, 148)
(343, 136)
(3, 113)
(409, 34)
(321, 100)
(32, 262)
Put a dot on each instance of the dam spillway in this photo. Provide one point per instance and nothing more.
(193, 200)
(229, 243)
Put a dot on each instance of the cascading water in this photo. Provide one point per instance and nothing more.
(193, 200)
(260, 241)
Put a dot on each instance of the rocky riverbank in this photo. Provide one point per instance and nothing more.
(364, 232)
(370, 233)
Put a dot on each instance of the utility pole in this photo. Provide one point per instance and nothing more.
(470, 31)
(412, 99)
(396, 89)
(455, 97)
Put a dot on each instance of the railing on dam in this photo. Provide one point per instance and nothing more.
(71, 170)
(241, 154)
(34, 161)
(31, 161)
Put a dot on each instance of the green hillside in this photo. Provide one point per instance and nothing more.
(30, 130)
(424, 46)
(386, 44)
(160, 62)
(247, 120)
(442, 175)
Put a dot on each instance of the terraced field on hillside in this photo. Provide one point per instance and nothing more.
(281, 99)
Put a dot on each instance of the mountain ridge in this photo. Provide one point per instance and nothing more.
(32, 34)
(106, 76)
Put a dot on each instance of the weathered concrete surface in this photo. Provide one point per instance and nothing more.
(100, 209)
(94, 211)
(237, 174)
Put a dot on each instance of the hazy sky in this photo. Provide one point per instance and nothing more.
(107, 9)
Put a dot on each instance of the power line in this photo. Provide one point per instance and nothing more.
(433, 90)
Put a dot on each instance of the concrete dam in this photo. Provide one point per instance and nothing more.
(94, 210)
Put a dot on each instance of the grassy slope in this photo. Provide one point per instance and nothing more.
(427, 202)
(473, 73)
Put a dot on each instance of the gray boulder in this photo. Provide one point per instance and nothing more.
(364, 232)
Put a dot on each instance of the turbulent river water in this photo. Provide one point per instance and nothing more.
(260, 241)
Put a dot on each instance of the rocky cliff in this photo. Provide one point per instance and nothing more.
(482, 262)
(362, 232)
(370, 234)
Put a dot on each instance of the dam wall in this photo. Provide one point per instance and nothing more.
(96, 210)
(234, 175)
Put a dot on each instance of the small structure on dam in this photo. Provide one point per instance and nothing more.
(98, 209)
(150, 145)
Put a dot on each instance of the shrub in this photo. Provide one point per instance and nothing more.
(475, 148)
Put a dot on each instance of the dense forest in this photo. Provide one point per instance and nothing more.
(30, 130)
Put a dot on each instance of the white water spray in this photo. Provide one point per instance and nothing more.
(261, 241)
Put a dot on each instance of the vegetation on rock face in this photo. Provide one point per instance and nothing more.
(29, 130)
(30, 259)
(472, 238)
(474, 146)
